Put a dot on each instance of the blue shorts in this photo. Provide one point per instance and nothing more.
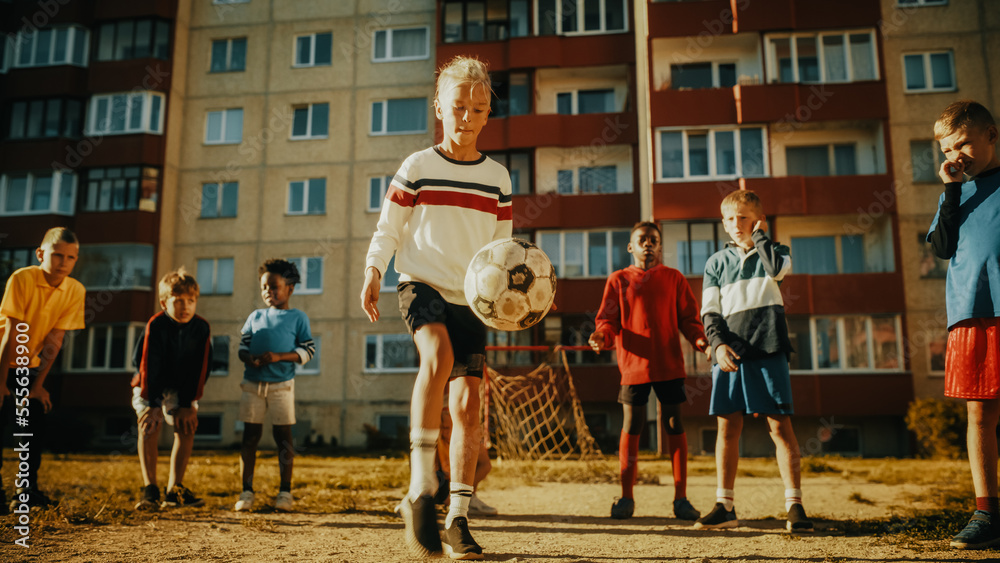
(761, 386)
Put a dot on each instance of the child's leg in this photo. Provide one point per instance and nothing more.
(148, 454)
(465, 443)
(436, 360)
(179, 456)
(483, 465)
(628, 446)
(286, 454)
(677, 443)
(786, 449)
(248, 452)
(982, 442)
(727, 456)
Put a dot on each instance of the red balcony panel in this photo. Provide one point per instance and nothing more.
(119, 9)
(38, 15)
(494, 53)
(711, 106)
(126, 76)
(96, 390)
(117, 306)
(27, 231)
(843, 294)
(784, 15)
(787, 103)
(583, 50)
(852, 395)
(681, 19)
(46, 81)
(119, 150)
(553, 130)
(35, 154)
(579, 296)
(598, 384)
(871, 195)
(139, 227)
(585, 211)
(688, 200)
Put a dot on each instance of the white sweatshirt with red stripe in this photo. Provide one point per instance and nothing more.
(436, 215)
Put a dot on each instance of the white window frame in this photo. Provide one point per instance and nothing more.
(208, 287)
(214, 372)
(575, 99)
(921, 3)
(712, 165)
(831, 156)
(86, 337)
(26, 40)
(842, 346)
(94, 120)
(774, 70)
(580, 18)
(305, 197)
(302, 263)
(229, 55)
(385, 118)
(388, 58)
(379, 352)
(220, 191)
(558, 262)
(225, 113)
(309, 122)
(716, 79)
(928, 76)
(383, 188)
(577, 182)
(300, 369)
(126, 281)
(312, 50)
(60, 181)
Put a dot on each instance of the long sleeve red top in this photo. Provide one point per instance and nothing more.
(645, 312)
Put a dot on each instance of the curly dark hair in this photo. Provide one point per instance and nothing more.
(283, 268)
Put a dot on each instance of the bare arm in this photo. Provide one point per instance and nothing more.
(50, 349)
(6, 355)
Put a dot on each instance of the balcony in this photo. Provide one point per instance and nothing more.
(584, 211)
(579, 295)
(709, 106)
(682, 19)
(782, 15)
(811, 102)
(46, 81)
(126, 76)
(119, 150)
(843, 294)
(34, 154)
(554, 130)
(547, 51)
(123, 9)
(104, 227)
(119, 306)
(28, 230)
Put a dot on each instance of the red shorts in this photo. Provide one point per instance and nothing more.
(972, 360)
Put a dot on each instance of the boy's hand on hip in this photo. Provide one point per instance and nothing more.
(186, 419)
(369, 293)
(41, 395)
(951, 171)
(726, 357)
(596, 340)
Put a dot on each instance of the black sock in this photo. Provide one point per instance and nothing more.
(285, 487)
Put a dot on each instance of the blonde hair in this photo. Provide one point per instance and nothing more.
(464, 70)
(55, 235)
(178, 282)
(742, 197)
(963, 114)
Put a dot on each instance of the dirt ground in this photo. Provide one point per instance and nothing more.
(548, 523)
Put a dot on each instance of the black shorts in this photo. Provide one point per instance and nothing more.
(421, 304)
(668, 392)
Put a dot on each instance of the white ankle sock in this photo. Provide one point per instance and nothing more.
(725, 496)
(792, 496)
(423, 448)
(461, 494)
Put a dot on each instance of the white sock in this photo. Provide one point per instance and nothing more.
(725, 496)
(792, 496)
(423, 448)
(461, 494)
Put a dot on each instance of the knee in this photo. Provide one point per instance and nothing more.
(252, 434)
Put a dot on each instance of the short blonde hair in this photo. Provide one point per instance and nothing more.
(55, 235)
(963, 114)
(742, 197)
(464, 70)
(178, 282)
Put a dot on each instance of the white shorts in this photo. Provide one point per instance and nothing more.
(259, 398)
(170, 404)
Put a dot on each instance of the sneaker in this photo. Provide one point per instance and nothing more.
(283, 502)
(181, 496)
(458, 542)
(684, 511)
(797, 520)
(479, 508)
(245, 502)
(420, 522)
(36, 499)
(982, 531)
(719, 517)
(622, 508)
(150, 499)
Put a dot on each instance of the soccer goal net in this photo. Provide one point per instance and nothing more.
(536, 415)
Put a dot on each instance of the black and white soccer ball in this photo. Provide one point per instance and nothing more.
(510, 284)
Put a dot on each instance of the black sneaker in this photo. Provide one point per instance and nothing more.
(150, 499)
(684, 511)
(36, 499)
(719, 517)
(797, 520)
(458, 542)
(982, 531)
(622, 508)
(420, 523)
(181, 496)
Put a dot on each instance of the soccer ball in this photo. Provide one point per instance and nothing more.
(510, 284)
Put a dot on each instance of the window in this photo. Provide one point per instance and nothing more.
(393, 425)
(925, 160)
(125, 113)
(13, 259)
(220, 356)
(518, 164)
(929, 72)
(822, 58)
(582, 254)
(133, 39)
(575, 330)
(708, 439)
(219, 200)
(377, 188)
(224, 127)
(229, 55)
(54, 117)
(497, 358)
(590, 180)
(706, 154)
(230, 1)
(822, 160)
(916, 3)
(101, 347)
(215, 276)
(840, 440)
(390, 279)
(847, 343)
(936, 349)
(311, 272)
(556, 17)
(209, 424)
(511, 94)
(484, 20)
(930, 265)
(310, 121)
(585, 101)
(408, 44)
(702, 75)
(118, 428)
(688, 245)
(307, 197)
(120, 189)
(37, 193)
(115, 266)
(51, 46)
(399, 117)
(312, 367)
(390, 352)
(843, 254)
(315, 49)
